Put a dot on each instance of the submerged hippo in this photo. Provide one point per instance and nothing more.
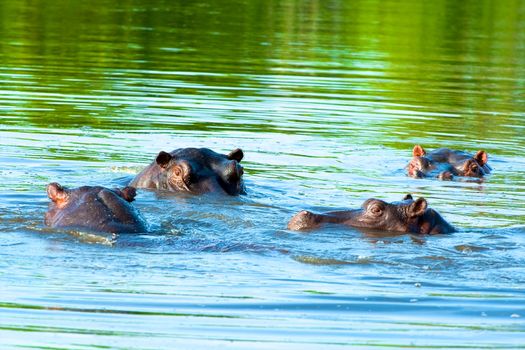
(194, 170)
(409, 216)
(93, 208)
(445, 163)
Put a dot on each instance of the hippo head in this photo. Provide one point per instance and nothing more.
(419, 163)
(475, 167)
(408, 215)
(422, 166)
(61, 196)
(201, 170)
(400, 216)
(94, 208)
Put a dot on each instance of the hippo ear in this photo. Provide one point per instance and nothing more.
(237, 154)
(407, 197)
(418, 151)
(481, 157)
(56, 193)
(163, 158)
(417, 208)
(128, 193)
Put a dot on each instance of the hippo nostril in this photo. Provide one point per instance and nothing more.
(445, 175)
(419, 174)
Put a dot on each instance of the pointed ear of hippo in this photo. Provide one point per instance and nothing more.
(418, 207)
(481, 157)
(128, 193)
(418, 151)
(56, 193)
(407, 197)
(237, 154)
(163, 158)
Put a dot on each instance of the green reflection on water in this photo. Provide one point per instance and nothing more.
(109, 311)
(427, 69)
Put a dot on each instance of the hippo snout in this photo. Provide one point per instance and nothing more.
(302, 221)
(418, 174)
(445, 175)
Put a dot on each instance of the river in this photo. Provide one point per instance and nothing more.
(326, 99)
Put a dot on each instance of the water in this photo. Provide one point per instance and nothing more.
(327, 99)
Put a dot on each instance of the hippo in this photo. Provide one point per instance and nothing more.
(406, 216)
(445, 163)
(194, 170)
(93, 208)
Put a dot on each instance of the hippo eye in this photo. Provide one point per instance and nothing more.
(182, 171)
(376, 210)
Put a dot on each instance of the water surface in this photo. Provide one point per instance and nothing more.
(327, 99)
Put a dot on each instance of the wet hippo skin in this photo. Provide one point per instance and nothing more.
(408, 215)
(93, 208)
(445, 163)
(194, 170)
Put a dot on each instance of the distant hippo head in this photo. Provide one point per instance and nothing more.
(194, 170)
(445, 163)
(422, 166)
(475, 166)
(93, 208)
(408, 215)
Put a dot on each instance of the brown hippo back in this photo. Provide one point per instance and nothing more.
(94, 208)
